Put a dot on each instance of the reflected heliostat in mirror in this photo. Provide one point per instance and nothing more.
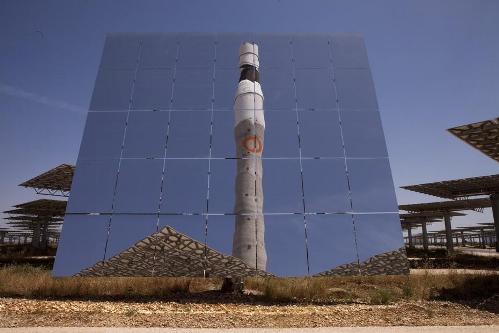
(126, 230)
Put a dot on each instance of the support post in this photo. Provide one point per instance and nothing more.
(448, 234)
(494, 201)
(482, 238)
(35, 240)
(44, 235)
(425, 236)
(409, 236)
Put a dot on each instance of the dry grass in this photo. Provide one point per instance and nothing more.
(27, 281)
(377, 289)
(30, 282)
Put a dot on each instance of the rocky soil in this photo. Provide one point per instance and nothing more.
(20, 312)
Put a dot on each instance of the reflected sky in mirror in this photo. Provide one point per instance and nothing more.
(73, 253)
(126, 230)
(377, 233)
(285, 244)
(330, 241)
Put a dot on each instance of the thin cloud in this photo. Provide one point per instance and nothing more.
(20, 93)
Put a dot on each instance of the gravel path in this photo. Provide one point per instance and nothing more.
(372, 329)
(16, 312)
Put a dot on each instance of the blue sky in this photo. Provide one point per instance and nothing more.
(435, 65)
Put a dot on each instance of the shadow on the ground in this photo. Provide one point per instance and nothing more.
(481, 293)
(439, 259)
(202, 297)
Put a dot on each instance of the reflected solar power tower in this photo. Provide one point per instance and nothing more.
(153, 192)
(249, 136)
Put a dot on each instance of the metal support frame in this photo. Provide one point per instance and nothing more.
(54, 193)
(448, 234)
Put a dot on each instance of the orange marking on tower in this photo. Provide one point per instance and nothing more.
(252, 144)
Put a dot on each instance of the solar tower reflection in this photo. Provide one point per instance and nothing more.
(248, 243)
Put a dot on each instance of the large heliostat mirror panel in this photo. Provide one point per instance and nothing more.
(166, 184)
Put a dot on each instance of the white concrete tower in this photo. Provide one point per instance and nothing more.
(249, 128)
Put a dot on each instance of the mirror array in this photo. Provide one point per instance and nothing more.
(158, 160)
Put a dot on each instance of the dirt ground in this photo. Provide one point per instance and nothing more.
(20, 312)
